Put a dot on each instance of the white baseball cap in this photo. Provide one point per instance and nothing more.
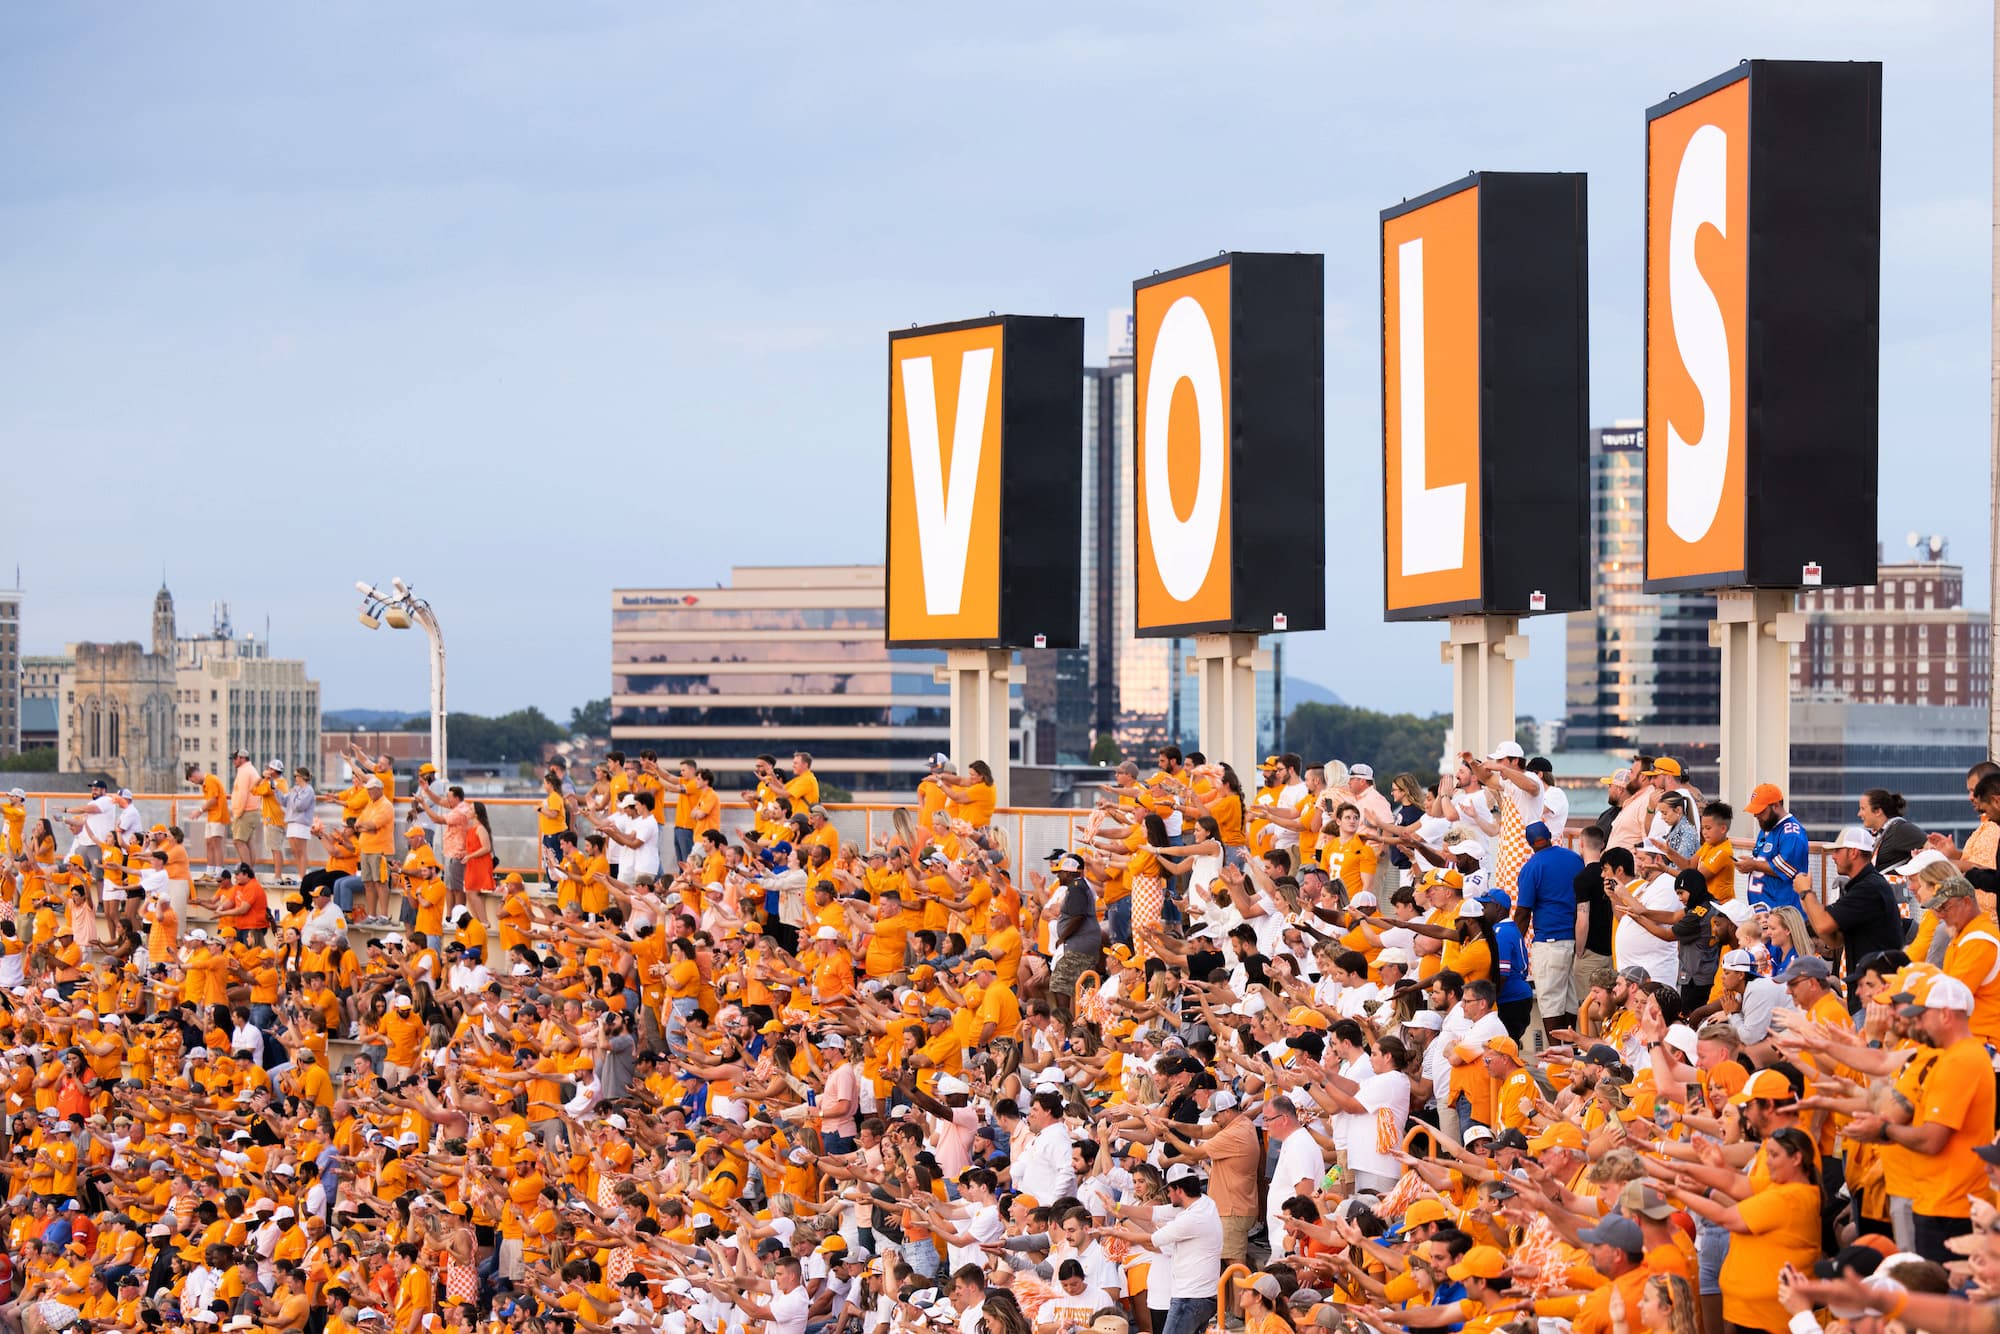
(1739, 961)
(1854, 836)
(1507, 750)
(1361, 771)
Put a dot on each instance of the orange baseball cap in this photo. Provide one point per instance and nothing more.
(1762, 798)
(1503, 1045)
(1767, 1086)
(1561, 1135)
(1426, 1210)
(1480, 1262)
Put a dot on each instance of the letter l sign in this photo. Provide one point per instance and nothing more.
(944, 515)
(1433, 517)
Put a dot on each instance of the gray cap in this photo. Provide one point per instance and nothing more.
(1806, 965)
(1618, 1231)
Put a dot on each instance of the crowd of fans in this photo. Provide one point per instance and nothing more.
(1431, 1052)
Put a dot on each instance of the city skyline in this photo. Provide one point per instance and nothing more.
(450, 270)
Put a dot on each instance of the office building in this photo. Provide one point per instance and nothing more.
(782, 659)
(1841, 749)
(10, 671)
(1907, 638)
(231, 694)
(1638, 665)
(115, 711)
(42, 673)
(1135, 691)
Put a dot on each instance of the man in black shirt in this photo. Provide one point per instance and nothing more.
(1593, 910)
(1865, 919)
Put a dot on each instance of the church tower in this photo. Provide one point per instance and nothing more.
(163, 624)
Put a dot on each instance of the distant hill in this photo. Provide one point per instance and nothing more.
(1299, 691)
(365, 720)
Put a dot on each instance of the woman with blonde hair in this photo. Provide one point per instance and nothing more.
(1666, 1306)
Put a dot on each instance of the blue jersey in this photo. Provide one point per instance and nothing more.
(1512, 968)
(1785, 848)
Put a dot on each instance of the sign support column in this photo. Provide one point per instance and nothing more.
(979, 712)
(1226, 668)
(1482, 651)
(1755, 628)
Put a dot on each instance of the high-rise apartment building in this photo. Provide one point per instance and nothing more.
(1134, 690)
(1638, 665)
(783, 659)
(231, 694)
(1907, 638)
(10, 671)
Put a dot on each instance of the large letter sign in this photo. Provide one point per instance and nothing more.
(985, 471)
(1485, 445)
(1229, 446)
(1763, 222)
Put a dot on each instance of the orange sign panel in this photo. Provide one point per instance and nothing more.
(944, 485)
(1697, 319)
(1181, 471)
(1430, 403)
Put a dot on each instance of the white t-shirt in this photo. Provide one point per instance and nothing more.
(788, 1311)
(1555, 809)
(1378, 1093)
(1299, 1159)
(1636, 947)
(1290, 798)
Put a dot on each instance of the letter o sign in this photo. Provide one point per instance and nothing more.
(1184, 549)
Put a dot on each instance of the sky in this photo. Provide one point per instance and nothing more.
(522, 302)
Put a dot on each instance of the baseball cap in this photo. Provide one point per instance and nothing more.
(1182, 1172)
(1486, 1261)
(1921, 860)
(827, 933)
(939, 759)
(1506, 750)
(1667, 765)
(1538, 833)
(1222, 1101)
(1430, 1019)
(1502, 1045)
(1739, 961)
(1854, 836)
(1477, 1131)
(1559, 1135)
(1806, 965)
(1639, 1200)
(1762, 798)
(1393, 955)
(1361, 771)
(1946, 993)
(1307, 1017)
(1615, 1230)
(1767, 1086)
(1958, 887)
(1426, 1210)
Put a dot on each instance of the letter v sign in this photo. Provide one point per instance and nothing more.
(1433, 516)
(944, 513)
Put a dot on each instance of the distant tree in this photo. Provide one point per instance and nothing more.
(1391, 742)
(592, 719)
(834, 792)
(30, 762)
(1524, 736)
(1105, 750)
(512, 737)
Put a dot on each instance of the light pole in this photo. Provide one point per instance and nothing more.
(399, 609)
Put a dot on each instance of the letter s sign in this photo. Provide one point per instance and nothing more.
(1697, 260)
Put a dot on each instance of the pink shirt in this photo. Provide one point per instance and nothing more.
(457, 829)
(244, 795)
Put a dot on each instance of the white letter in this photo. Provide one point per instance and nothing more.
(1433, 516)
(1696, 468)
(1183, 551)
(944, 516)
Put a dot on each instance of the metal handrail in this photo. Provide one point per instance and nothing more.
(1822, 853)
